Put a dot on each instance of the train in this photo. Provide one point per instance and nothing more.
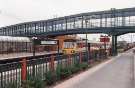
(69, 46)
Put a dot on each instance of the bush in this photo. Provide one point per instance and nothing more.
(27, 84)
(83, 66)
(38, 83)
(79, 66)
(11, 85)
(58, 71)
(63, 72)
(33, 83)
(50, 78)
(75, 68)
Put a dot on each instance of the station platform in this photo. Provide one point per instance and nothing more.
(24, 54)
(118, 72)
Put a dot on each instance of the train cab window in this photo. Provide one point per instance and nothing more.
(69, 44)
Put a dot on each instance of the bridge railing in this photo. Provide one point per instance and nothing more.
(110, 18)
(12, 74)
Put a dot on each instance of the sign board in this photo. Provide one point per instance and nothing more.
(48, 42)
(45, 42)
(104, 39)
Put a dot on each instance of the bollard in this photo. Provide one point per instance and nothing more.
(23, 69)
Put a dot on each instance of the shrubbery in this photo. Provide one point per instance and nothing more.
(52, 76)
(75, 69)
(83, 66)
(11, 85)
(33, 83)
(63, 72)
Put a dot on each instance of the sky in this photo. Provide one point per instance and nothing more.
(17, 11)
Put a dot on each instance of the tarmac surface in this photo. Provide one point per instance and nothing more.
(118, 72)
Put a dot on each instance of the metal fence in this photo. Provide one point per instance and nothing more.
(11, 73)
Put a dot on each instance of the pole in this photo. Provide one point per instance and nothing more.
(33, 47)
(58, 47)
(86, 47)
(52, 63)
(58, 50)
(114, 45)
(33, 66)
(116, 52)
(105, 45)
(87, 54)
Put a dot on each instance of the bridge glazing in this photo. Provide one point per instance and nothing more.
(112, 21)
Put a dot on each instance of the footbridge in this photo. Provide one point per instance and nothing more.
(113, 22)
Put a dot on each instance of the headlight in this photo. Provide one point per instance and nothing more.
(72, 51)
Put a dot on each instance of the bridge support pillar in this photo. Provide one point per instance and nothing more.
(114, 45)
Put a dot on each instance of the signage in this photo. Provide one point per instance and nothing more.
(45, 42)
(48, 42)
(105, 39)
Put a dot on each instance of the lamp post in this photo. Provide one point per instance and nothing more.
(87, 53)
(33, 65)
(33, 41)
(105, 45)
(87, 19)
(58, 50)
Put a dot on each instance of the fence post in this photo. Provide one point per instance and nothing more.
(80, 57)
(1, 86)
(91, 57)
(69, 59)
(52, 63)
(81, 53)
(23, 69)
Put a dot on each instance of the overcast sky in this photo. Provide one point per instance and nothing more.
(16, 11)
